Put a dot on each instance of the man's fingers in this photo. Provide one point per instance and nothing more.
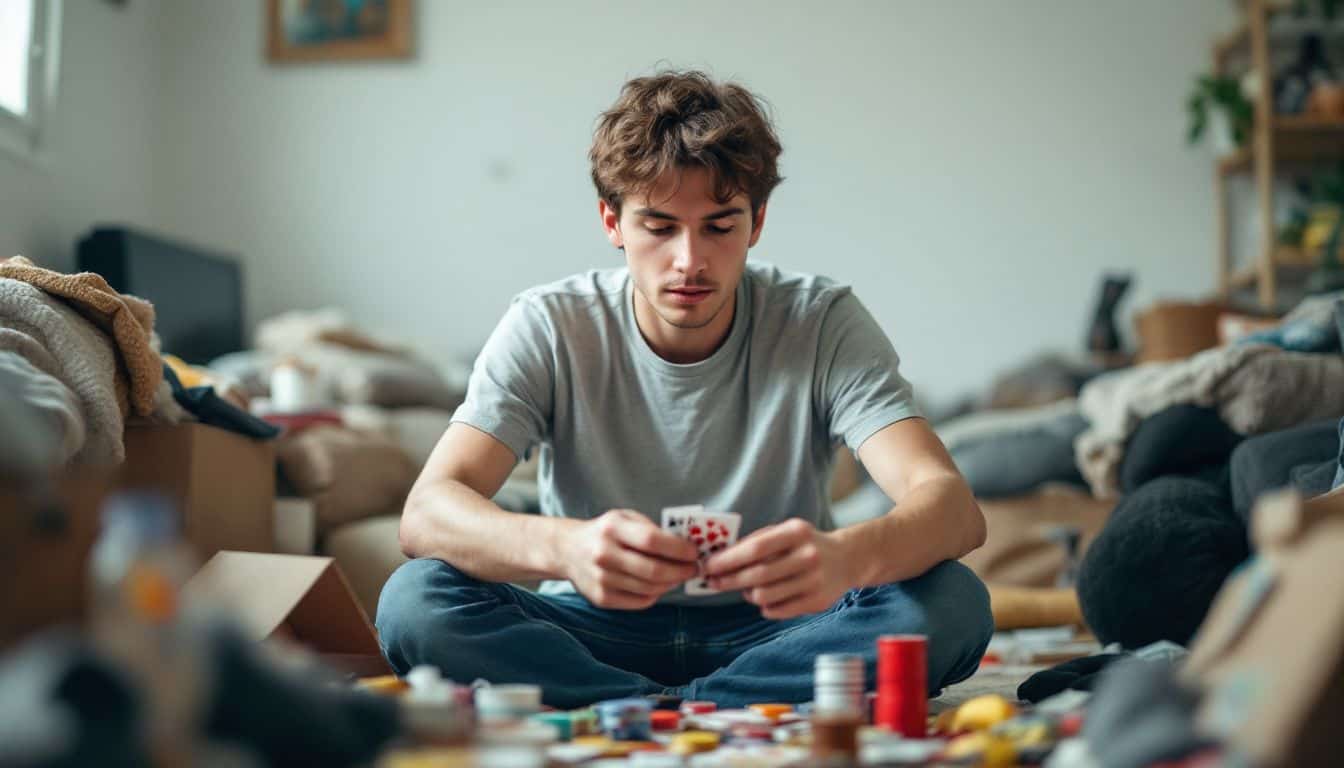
(778, 592)
(759, 546)
(760, 574)
(639, 533)
(645, 568)
(617, 582)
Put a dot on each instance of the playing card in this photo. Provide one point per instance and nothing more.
(708, 530)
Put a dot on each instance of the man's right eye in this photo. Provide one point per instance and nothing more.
(658, 230)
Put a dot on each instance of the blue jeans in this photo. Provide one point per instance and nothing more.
(432, 613)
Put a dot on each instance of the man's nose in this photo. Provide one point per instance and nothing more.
(690, 255)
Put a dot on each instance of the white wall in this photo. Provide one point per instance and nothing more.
(94, 163)
(971, 166)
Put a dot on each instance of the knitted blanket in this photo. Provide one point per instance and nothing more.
(128, 320)
(56, 340)
(1256, 389)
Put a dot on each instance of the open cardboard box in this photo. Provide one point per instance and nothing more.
(293, 598)
(1270, 655)
(223, 483)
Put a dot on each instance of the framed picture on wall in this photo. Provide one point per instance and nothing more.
(334, 30)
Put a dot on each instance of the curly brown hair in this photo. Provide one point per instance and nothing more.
(680, 119)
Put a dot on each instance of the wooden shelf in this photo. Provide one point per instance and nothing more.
(1249, 275)
(1299, 140)
(1293, 255)
(1283, 28)
(1277, 144)
(1302, 139)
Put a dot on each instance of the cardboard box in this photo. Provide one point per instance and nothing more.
(1173, 330)
(223, 483)
(46, 533)
(1270, 655)
(295, 598)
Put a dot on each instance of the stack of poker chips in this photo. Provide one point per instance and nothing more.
(693, 708)
(835, 741)
(625, 719)
(507, 703)
(838, 685)
(902, 684)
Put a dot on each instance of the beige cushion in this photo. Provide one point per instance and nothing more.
(349, 474)
(367, 553)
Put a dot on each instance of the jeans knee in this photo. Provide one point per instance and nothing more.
(956, 619)
(403, 606)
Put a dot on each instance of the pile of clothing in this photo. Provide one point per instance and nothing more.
(1180, 450)
(79, 359)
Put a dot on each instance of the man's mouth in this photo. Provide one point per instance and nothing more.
(689, 294)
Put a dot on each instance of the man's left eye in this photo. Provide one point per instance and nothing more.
(720, 230)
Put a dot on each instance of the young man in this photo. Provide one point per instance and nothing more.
(688, 377)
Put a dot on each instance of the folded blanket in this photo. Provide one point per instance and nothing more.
(44, 425)
(129, 321)
(1256, 388)
(56, 340)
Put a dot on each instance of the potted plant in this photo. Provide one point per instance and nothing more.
(1225, 95)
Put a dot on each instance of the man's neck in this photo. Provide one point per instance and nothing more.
(683, 346)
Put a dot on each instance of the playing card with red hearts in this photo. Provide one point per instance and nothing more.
(708, 530)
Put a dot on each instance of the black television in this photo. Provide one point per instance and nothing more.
(197, 294)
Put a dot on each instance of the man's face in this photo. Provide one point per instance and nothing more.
(686, 253)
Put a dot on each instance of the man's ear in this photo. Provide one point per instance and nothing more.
(758, 222)
(611, 222)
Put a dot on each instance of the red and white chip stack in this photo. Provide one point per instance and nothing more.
(838, 685)
(902, 685)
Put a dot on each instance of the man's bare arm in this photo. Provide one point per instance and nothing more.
(936, 517)
(449, 514)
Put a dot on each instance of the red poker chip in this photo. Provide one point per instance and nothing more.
(664, 719)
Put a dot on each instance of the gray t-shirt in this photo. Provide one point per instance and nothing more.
(751, 429)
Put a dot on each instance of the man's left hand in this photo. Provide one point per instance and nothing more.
(789, 569)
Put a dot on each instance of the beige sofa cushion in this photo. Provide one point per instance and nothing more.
(349, 474)
(367, 553)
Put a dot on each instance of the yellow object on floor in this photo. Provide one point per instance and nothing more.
(692, 742)
(991, 751)
(982, 713)
(612, 748)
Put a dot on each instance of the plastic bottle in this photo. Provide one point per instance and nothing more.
(137, 569)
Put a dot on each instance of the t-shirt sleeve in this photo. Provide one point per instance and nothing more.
(511, 389)
(860, 388)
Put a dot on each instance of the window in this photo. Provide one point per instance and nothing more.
(29, 30)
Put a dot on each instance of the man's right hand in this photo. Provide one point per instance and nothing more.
(622, 560)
